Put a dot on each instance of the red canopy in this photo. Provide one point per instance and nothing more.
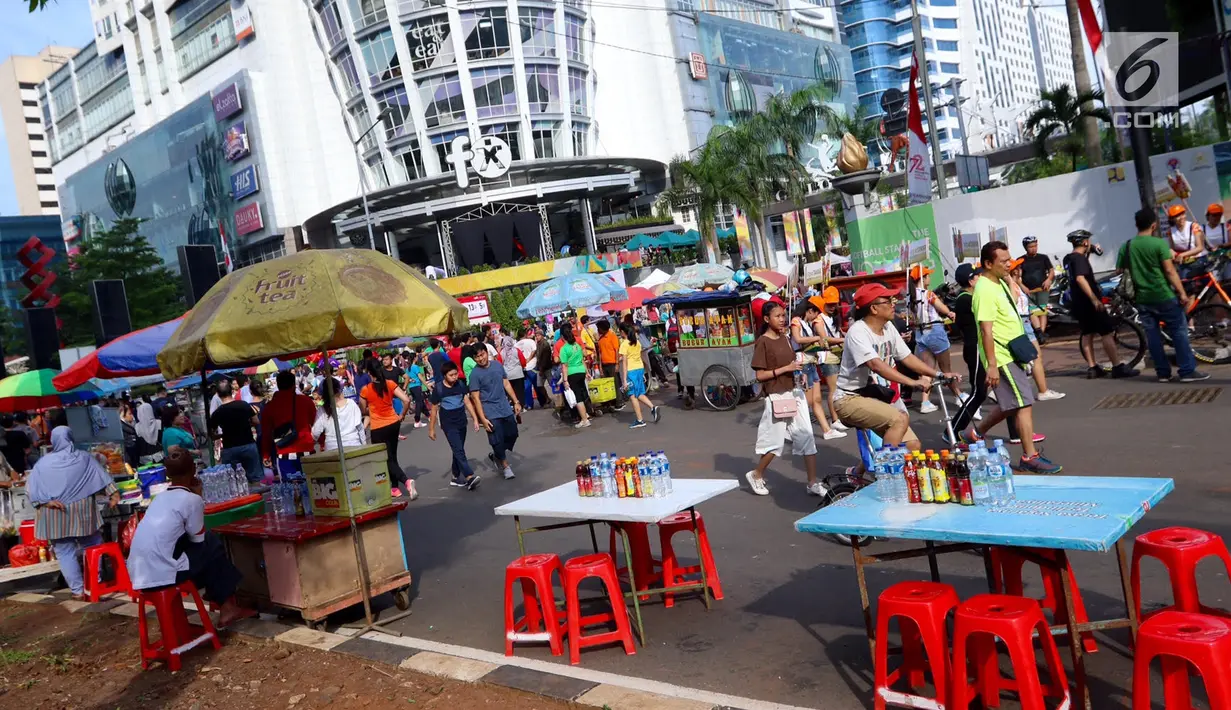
(636, 296)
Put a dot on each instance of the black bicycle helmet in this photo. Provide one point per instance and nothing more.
(1078, 236)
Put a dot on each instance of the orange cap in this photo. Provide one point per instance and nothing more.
(1016, 263)
(918, 271)
(1175, 210)
(1214, 208)
(830, 295)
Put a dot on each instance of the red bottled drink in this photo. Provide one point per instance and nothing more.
(581, 481)
(912, 481)
(621, 484)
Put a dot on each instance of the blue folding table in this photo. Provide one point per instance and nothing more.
(1056, 512)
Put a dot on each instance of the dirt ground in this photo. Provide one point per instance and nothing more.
(50, 658)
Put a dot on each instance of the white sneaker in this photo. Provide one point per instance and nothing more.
(833, 434)
(757, 484)
(927, 407)
(1049, 395)
(835, 424)
(978, 415)
(816, 488)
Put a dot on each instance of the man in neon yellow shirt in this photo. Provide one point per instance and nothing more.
(999, 325)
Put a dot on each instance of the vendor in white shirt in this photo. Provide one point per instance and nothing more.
(171, 545)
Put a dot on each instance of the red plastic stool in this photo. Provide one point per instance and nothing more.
(603, 567)
(93, 560)
(921, 608)
(1178, 639)
(982, 619)
(673, 573)
(1179, 549)
(643, 558)
(1007, 579)
(540, 622)
(177, 637)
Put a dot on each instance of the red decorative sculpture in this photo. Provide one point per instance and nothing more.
(35, 256)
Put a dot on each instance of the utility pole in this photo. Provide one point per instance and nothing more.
(926, 89)
(956, 103)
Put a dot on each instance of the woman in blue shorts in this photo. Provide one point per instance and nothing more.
(632, 367)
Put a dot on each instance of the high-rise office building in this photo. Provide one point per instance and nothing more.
(21, 113)
(1004, 51)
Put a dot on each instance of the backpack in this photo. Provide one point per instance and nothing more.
(1126, 289)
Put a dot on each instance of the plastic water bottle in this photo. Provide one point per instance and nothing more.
(995, 477)
(643, 470)
(1010, 488)
(666, 464)
(978, 474)
(306, 496)
(880, 471)
(901, 490)
(241, 480)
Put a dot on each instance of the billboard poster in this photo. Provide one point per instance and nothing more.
(235, 142)
(790, 232)
(882, 243)
(809, 244)
(477, 308)
(743, 236)
(245, 182)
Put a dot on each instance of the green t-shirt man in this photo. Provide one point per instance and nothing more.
(1143, 256)
(992, 302)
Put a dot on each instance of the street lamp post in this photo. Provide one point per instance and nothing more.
(363, 181)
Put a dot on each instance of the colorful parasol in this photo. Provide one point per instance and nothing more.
(769, 278)
(636, 296)
(663, 289)
(699, 275)
(131, 355)
(570, 292)
(270, 366)
(306, 302)
(33, 389)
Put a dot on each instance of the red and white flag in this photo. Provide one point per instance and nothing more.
(1094, 36)
(226, 251)
(918, 163)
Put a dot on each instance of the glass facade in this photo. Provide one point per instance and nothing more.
(542, 88)
(495, 91)
(538, 32)
(487, 33)
(174, 165)
(442, 100)
(380, 57)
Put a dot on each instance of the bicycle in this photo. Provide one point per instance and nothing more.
(841, 485)
(1209, 323)
(1128, 335)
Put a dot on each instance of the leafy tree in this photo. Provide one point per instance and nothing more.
(12, 331)
(858, 125)
(1063, 112)
(119, 252)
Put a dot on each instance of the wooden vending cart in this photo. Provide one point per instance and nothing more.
(307, 563)
(311, 563)
(715, 344)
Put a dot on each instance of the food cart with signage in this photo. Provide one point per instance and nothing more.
(716, 335)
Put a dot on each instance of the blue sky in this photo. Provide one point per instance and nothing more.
(62, 22)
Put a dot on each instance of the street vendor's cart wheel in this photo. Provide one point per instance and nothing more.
(719, 387)
(401, 598)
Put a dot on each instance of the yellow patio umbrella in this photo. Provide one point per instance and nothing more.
(313, 301)
(321, 299)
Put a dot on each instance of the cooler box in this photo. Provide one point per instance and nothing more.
(602, 390)
(149, 477)
(368, 470)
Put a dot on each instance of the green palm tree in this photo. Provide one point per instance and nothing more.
(703, 182)
(858, 125)
(1062, 111)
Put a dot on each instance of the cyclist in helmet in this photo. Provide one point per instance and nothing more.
(1086, 298)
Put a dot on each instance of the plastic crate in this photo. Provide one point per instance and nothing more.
(602, 390)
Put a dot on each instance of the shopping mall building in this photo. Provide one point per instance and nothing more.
(507, 128)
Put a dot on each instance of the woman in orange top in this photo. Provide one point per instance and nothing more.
(376, 401)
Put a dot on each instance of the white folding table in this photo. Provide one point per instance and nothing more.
(563, 503)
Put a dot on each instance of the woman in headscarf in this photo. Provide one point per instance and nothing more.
(149, 432)
(62, 488)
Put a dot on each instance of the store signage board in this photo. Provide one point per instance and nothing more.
(245, 182)
(248, 219)
(697, 66)
(235, 142)
(227, 102)
(477, 307)
(241, 18)
(490, 157)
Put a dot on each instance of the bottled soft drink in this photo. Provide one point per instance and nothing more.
(978, 475)
(926, 494)
(581, 480)
(940, 481)
(1006, 463)
(963, 480)
(621, 481)
(952, 476)
(913, 487)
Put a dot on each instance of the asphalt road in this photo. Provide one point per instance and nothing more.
(790, 629)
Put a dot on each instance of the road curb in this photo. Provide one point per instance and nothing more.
(472, 665)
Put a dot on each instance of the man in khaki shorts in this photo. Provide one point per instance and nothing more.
(873, 347)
